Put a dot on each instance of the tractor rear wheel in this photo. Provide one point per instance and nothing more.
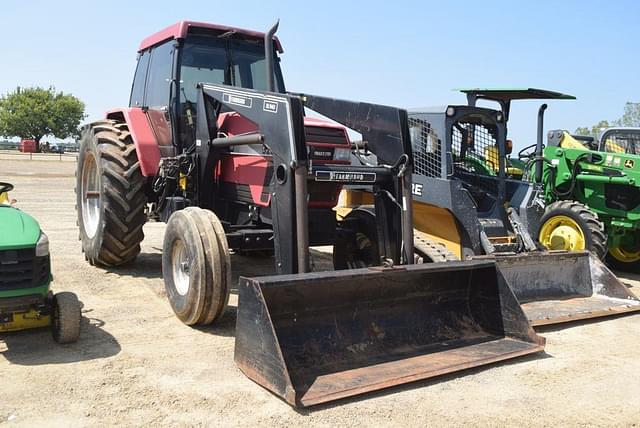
(624, 259)
(430, 251)
(572, 226)
(110, 195)
(361, 251)
(65, 317)
(196, 266)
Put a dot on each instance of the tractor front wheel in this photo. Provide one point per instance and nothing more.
(65, 317)
(572, 226)
(196, 266)
(110, 195)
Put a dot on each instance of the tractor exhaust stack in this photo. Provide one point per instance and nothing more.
(318, 337)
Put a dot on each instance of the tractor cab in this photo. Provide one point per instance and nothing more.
(620, 140)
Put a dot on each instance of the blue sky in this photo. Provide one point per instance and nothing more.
(408, 54)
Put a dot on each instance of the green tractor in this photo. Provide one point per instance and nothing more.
(26, 300)
(589, 188)
(603, 175)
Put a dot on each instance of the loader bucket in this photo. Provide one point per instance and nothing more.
(555, 287)
(318, 337)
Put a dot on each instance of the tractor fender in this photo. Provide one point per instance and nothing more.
(143, 137)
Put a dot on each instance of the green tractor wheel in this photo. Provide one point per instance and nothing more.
(624, 259)
(572, 226)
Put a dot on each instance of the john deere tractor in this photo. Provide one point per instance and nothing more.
(25, 275)
(602, 175)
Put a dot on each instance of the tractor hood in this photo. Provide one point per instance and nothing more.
(17, 229)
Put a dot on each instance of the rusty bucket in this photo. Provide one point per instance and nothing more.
(318, 337)
(559, 286)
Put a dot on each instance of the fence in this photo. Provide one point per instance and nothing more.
(16, 155)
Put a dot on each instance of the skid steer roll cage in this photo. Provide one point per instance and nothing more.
(279, 119)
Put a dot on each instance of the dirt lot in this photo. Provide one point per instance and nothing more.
(136, 364)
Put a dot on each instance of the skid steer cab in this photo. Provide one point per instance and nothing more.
(213, 145)
(26, 300)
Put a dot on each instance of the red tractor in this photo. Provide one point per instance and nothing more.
(212, 144)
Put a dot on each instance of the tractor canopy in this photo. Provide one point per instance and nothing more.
(504, 96)
(17, 229)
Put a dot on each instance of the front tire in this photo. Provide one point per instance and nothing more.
(196, 266)
(572, 226)
(65, 317)
(110, 195)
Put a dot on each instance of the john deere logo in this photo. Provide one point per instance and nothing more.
(628, 163)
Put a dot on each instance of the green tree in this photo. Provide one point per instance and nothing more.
(594, 130)
(32, 113)
(631, 116)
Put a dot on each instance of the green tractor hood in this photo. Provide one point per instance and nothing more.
(17, 229)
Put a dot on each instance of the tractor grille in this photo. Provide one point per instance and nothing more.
(474, 149)
(319, 134)
(22, 269)
(426, 145)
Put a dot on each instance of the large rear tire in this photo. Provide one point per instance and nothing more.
(626, 260)
(572, 226)
(110, 195)
(196, 266)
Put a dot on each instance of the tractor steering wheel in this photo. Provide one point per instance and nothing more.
(5, 187)
(527, 153)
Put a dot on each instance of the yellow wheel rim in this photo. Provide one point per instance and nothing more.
(623, 255)
(561, 232)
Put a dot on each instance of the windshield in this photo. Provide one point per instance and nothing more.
(209, 59)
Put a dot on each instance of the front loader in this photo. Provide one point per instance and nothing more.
(213, 145)
(468, 205)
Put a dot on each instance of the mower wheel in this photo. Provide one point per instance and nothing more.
(65, 317)
(572, 226)
(430, 251)
(195, 266)
(361, 251)
(110, 195)
(624, 259)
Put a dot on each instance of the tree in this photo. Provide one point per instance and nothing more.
(594, 130)
(631, 116)
(32, 113)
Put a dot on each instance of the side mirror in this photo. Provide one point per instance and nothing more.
(508, 147)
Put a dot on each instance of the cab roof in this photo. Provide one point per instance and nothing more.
(180, 29)
(508, 94)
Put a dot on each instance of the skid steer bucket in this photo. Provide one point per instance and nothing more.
(318, 337)
(555, 287)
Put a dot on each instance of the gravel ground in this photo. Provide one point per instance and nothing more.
(136, 364)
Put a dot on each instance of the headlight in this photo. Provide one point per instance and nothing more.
(342, 154)
(42, 247)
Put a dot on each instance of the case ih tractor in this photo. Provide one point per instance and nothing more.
(213, 145)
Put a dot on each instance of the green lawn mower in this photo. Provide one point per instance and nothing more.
(25, 276)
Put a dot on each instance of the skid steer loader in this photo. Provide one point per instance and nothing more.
(213, 145)
(467, 207)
